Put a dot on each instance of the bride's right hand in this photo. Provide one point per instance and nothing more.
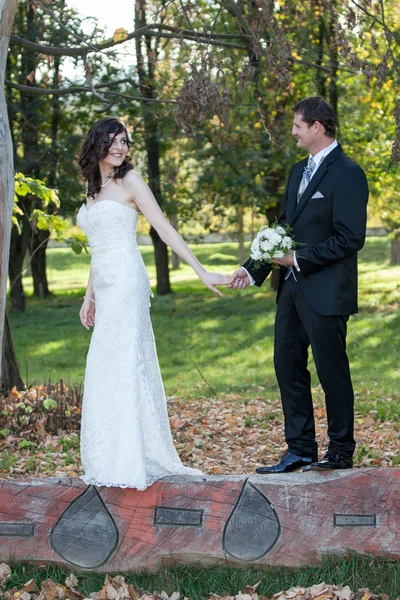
(87, 313)
(211, 279)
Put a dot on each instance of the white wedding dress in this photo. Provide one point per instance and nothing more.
(125, 436)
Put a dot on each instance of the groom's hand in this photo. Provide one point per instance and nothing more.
(239, 280)
(286, 261)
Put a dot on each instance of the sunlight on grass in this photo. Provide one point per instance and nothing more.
(48, 348)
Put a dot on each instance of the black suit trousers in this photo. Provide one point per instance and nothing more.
(297, 326)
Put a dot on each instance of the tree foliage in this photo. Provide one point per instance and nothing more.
(226, 75)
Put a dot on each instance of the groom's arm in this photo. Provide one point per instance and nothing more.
(257, 273)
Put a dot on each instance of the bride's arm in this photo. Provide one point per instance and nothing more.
(88, 308)
(148, 205)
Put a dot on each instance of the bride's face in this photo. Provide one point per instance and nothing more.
(117, 151)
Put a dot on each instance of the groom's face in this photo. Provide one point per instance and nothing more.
(303, 133)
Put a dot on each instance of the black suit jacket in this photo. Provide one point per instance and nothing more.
(331, 229)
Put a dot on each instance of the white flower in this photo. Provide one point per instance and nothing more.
(267, 245)
(275, 238)
(287, 242)
(278, 254)
(256, 255)
(271, 242)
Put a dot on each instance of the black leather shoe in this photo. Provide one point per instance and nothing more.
(334, 460)
(288, 462)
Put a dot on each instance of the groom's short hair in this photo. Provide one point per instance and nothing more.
(316, 108)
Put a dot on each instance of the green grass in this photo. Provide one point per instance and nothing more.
(379, 575)
(230, 340)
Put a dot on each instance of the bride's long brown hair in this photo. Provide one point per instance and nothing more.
(96, 147)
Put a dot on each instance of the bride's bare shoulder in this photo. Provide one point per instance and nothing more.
(134, 182)
(133, 177)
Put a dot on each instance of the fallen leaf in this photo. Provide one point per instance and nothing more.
(71, 581)
(30, 586)
(241, 596)
(250, 589)
(14, 392)
(346, 593)
(5, 572)
(52, 590)
(133, 593)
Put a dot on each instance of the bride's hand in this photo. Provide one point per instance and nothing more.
(87, 313)
(213, 279)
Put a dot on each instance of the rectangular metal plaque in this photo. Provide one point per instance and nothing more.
(354, 520)
(185, 517)
(17, 529)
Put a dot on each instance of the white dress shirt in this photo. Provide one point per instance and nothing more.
(318, 158)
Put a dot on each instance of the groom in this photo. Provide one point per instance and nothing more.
(325, 204)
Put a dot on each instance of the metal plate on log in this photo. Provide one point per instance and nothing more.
(178, 516)
(17, 529)
(354, 520)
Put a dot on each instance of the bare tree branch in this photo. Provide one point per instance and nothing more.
(367, 12)
(186, 16)
(200, 40)
(37, 91)
(388, 34)
(61, 24)
(89, 79)
(153, 29)
(139, 98)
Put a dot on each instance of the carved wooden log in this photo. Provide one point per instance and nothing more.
(292, 519)
(7, 13)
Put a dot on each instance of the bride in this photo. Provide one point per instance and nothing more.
(125, 435)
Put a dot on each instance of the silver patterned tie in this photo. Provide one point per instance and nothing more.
(308, 171)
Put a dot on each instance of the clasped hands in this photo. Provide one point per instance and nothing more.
(239, 280)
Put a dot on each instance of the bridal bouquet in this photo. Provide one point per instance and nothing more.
(272, 242)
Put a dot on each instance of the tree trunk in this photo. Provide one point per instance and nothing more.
(151, 131)
(333, 62)
(40, 237)
(38, 263)
(320, 76)
(31, 161)
(153, 169)
(395, 251)
(240, 234)
(18, 248)
(7, 13)
(175, 258)
(161, 258)
(11, 376)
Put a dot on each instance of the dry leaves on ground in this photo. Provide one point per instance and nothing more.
(117, 588)
(39, 433)
(226, 435)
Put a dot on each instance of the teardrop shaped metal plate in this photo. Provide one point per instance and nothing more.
(86, 534)
(253, 527)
